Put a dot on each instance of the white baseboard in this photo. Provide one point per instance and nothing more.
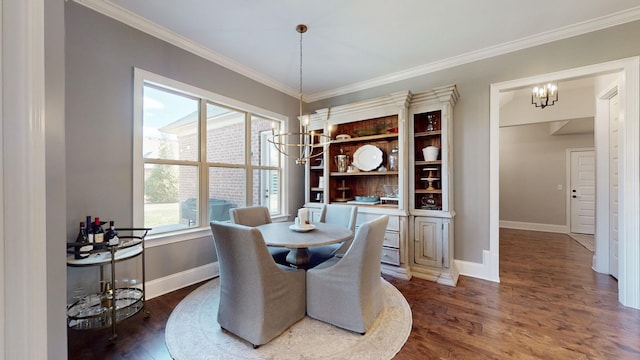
(564, 229)
(486, 271)
(179, 280)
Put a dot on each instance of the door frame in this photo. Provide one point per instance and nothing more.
(568, 182)
(629, 69)
(601, 256)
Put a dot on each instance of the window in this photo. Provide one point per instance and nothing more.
(198, 154)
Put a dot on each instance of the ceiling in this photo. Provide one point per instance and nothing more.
(357, 44)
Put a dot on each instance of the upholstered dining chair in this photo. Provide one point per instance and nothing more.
(254, 216)
(347, 291)
(259, 299)
(343, 215)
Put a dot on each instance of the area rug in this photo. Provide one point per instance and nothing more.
(192, 332)
(585, 240)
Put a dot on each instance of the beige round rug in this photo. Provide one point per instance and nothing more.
(192, 332)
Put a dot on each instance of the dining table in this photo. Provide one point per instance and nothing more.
(298, 239)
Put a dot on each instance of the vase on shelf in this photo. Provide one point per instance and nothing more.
(430, 153)
(342, 161)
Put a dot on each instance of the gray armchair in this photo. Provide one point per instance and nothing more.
(259, 299)
(254, 216)
(347, 291)
(343, 215)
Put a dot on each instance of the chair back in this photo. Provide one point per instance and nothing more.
(363, 256)
(243, 257)
(347, 291)
(344, 215)
(250, 216)
(258, 298)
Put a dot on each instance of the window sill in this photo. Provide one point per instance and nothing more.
(176, 237)
(162, 239)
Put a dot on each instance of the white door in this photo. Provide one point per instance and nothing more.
(583, 192)
(613, 181)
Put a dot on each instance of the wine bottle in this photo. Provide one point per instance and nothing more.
(82, 247)
(98, 231)
(89, 229)
(112, 235)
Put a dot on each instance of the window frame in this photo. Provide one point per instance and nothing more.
(142, 78)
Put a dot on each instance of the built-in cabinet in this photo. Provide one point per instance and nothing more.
(376, 161)
(431, 185)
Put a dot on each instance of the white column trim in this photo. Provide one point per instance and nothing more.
(629, 178)
(24, 197)
(602, 131)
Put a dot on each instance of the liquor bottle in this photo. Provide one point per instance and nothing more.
(112, 235)
(106, 298)
(82, 246)
(98, 231)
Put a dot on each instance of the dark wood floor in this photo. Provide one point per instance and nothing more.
(549, 305)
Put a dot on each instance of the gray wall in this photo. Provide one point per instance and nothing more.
(101, 54)
(532, 165)
(471, 114)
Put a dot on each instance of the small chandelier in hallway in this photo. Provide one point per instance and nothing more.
(545, 95)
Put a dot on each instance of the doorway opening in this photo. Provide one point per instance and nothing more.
(628, 192)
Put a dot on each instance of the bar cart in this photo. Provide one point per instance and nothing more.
(112, 304)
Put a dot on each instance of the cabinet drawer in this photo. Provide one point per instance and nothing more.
(391, 239)
(394, 221)
(390, 256)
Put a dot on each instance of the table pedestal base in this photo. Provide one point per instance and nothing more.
(299, 257)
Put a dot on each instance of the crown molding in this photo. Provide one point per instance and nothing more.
(127, 17)
(604, 22)
(138, 22)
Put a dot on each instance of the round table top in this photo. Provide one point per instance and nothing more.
(279, 234)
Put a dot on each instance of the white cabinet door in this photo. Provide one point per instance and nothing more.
(428, 241)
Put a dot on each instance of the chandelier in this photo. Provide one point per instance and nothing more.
(301, 144)
(543, 96)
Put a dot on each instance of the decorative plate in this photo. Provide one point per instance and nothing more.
(305, 228)
(367, 157)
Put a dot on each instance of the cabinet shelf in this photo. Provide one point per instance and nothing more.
(428, 133)
(317, 189)
(316, 167)
(368, 138)
(424, 191)
(364, 173)
(422, 162)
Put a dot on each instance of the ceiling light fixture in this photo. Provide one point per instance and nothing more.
(300, 145)
(543, 96)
